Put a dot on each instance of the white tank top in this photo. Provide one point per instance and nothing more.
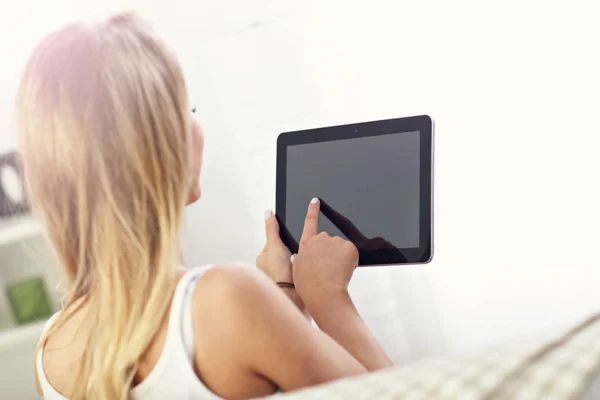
(173, 376)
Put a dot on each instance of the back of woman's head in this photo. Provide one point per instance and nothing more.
(105, 131)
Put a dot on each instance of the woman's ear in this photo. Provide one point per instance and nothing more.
(194, 194)
(197, 151)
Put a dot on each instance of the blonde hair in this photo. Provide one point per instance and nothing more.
(105, 130)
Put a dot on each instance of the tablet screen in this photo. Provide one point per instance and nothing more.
(372, 181)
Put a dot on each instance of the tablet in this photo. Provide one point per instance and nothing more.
(374, 181)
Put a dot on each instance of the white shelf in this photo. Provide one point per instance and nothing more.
(18, 228)
(26, 334)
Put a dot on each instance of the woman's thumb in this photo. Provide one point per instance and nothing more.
(271, 227)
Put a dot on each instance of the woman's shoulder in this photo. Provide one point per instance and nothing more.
(234, 298)
(234, 273)
(230, 298)
(230, 284)
(230, 304)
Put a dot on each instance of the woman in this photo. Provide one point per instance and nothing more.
(112, 155)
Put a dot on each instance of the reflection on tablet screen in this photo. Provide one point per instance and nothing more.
(369, 186)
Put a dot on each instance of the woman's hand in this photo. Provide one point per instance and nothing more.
(274, 259)
(322, 271)
(324, 264)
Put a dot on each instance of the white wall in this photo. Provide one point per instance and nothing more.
(513, 87)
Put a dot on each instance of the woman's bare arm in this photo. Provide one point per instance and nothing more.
(322, 271)
(339, 318)
(251, 339)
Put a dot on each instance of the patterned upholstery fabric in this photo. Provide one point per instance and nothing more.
(560, 366)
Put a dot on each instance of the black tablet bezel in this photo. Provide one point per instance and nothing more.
(423, 124)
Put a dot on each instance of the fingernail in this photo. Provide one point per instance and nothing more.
(314, 200)
(292, 258)
(268, 214)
